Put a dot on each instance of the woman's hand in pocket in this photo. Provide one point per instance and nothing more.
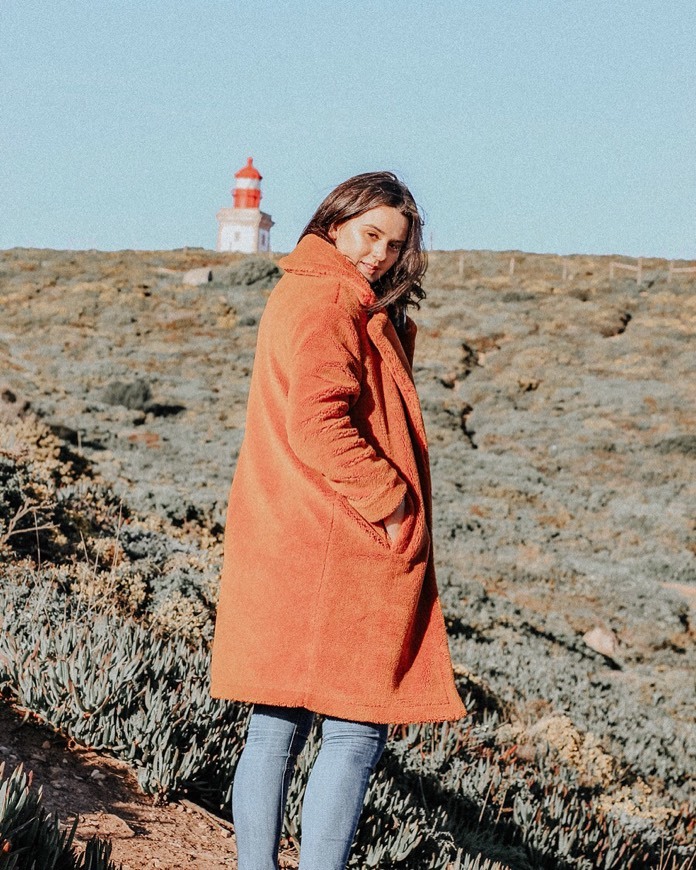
(394, 521)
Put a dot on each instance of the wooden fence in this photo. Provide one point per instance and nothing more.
(682, 269)
(638, 269)
(614, 266)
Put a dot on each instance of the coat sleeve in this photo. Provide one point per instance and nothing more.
(324, 380)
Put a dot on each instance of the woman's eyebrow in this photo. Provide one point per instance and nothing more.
(381, 232)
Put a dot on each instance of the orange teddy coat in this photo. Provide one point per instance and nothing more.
(317, 608)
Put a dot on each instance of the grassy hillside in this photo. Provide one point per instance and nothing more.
(561, 430)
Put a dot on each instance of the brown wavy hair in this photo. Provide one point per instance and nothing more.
(401, 286)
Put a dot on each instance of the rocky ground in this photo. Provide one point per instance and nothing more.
(104, 793)
(561, 420)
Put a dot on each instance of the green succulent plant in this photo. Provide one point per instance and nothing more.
(31, 839)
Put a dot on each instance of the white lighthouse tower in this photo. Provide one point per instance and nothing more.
(244, 227)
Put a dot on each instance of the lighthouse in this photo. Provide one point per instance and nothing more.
(244, 227)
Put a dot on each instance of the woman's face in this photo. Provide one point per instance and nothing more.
(372, 241)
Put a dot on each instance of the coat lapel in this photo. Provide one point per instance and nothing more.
(386, 341)
(315, 256)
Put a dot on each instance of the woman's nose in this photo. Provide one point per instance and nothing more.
(379, 251)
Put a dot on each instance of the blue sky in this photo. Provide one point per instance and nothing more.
(566, 126)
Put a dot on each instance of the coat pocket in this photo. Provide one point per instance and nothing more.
(375, 531)
(410, 534)
(409, 541)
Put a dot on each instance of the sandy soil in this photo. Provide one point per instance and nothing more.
(104, 794)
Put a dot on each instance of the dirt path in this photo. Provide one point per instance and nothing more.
(104, 793)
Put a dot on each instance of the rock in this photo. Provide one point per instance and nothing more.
(149, 439)
(10, 404)
(105, 825)
(258, 272)
(615, 323)
(133, 394)
(194, 277)
(602, 640)
(526, 752)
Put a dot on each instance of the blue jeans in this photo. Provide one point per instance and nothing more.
(335, 790)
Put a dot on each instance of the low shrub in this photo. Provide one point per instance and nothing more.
(112, 650)
(31, 839)
(441, 791)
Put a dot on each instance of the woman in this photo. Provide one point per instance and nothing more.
(328, 601)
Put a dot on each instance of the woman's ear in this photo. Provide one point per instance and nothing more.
(332, 233)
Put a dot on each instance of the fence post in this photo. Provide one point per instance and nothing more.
(670, 271)
(639, 273)
(512, 266)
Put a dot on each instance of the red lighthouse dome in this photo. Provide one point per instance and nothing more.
(247, 190)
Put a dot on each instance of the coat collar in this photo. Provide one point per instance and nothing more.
(315, 256)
